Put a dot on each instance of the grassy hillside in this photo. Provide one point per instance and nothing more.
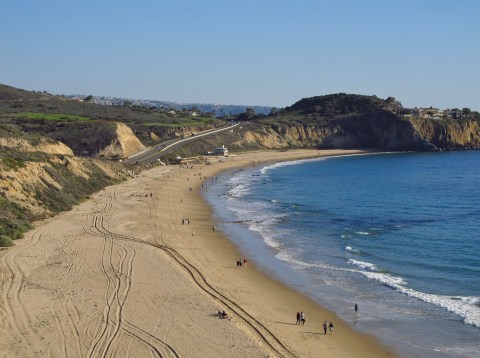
(53, 116)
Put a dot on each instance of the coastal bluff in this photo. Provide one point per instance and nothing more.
(357, 121)
(391, 135)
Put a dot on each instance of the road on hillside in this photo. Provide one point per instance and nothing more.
(156, 152)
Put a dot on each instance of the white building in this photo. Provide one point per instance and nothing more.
(221, 151)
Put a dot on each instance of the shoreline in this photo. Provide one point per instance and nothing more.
(120, 273)
(258, 283)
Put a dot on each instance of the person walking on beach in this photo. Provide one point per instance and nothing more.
(298, 318)
(325, 326)
(245, 262)
(213, 228)
(331, 327)
(356, 308)
(302, 318)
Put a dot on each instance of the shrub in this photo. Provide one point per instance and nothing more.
(13, 163)
(17, 234)
(5, 241)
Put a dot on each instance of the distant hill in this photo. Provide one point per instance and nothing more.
(339, 104)
(8, 93)
(218, 110)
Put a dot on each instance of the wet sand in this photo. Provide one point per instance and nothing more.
(121, 276)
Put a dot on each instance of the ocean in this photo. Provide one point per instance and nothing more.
(397, 233)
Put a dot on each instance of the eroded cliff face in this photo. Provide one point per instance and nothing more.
(116, 140)
(40, 145)
(370, 132)
(395, 136)
(40, 177)
(449, 135)
(20, 185)
(42, 188)
(123, 144)
(278, 137)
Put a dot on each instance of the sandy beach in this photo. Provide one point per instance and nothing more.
(121, 276)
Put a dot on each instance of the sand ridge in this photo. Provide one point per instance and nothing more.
(121, 276)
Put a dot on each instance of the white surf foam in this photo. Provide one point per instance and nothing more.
(239, 190)
(465, 307)
(351, 249)
(363, 265)
(288, 255)
(265, 170)
(266, 226)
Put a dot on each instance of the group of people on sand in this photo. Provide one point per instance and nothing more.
(327, 326)
(301, 321)
(223, 315)
(241, 262)
(185, 221)
(300, 318)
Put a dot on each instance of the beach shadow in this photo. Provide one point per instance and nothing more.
(288, 323)
(315, 333)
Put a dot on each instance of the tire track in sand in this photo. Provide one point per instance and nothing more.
(145, 337)
(156, 346)
(265, 335)
(117, 266)
(14, 281)
(74, 247)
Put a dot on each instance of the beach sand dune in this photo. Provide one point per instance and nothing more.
(121, 276)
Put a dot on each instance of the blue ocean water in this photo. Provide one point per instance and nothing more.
(398, 234)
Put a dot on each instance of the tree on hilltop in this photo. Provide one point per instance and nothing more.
(393, 105)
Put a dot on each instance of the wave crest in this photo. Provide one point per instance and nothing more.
(351, 249)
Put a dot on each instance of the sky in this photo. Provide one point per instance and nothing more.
(251, 52)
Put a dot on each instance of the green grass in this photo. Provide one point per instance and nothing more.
(5, 241)
(47, 116)
(13, 163)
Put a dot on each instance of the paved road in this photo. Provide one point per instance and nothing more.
(154, 153)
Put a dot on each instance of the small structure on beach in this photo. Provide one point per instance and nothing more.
(223, 151)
